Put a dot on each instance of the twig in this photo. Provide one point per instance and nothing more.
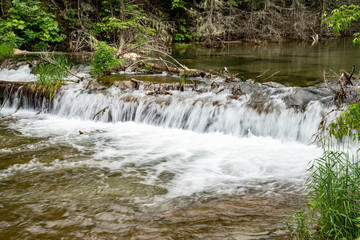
(322, 123)
(101, 111)
(165, 64)
(262, 73)
(168, 55)
(17, 109)
(1, 38)
(271, 75)
(327, 85)
(220, 91)
(39, 112)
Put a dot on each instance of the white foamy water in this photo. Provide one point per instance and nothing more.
(211, 163)
(194, 158)
(22, 74)
(202, 113)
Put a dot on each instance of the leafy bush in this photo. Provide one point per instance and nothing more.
(52, 75)
(29, 21)
(341, 19)
(7, 45)
(348, 124)
(104, 59)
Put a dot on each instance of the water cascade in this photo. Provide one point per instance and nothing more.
(147, 160)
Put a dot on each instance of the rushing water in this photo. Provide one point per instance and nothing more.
(182, 166)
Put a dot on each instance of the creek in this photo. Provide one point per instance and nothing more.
(191, 165)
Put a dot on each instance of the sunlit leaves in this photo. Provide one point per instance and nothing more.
(28, 20)
(341, 19)
(175, 4)
(348, 124)
(104, 59)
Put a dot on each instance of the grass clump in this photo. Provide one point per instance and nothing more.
(104, 59)
(5, 51)
(50, 75)
(332, 210)
(332, 205)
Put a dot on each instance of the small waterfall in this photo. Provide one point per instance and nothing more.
(21, 74)
(199, 112)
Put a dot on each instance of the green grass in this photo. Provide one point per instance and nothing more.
(50, 76)
(332, 208)
(5, 51)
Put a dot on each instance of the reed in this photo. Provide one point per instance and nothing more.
(6, 51)
(332, 205)
(51, 75)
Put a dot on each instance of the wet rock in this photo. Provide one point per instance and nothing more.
(299, 98)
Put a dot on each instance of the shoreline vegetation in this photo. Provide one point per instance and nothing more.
(74, 26)
(122, 33)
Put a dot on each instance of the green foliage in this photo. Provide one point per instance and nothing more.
(12, 40)
(5, 51)
(52, 75)
(40, 46)
(333, 207)
(333, 210)
(300, 220)
(178, 4)
(183, 34)
(341, 19)
(104, 59)
(7, 45)
(29, 21)
(347, 124)
(116, 20)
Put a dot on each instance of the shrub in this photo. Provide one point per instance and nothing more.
(29, 21)
(104, 59)
(7, 44)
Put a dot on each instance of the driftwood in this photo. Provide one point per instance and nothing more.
(220, 91)
(137, 83)
(164, 68)
(101, 111)
(17, 109)
(39, 112)
(343, 93)
(348, 76)
(340, 95)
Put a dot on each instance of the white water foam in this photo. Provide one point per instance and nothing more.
(211, 163)
(22, 74)
(192, 111)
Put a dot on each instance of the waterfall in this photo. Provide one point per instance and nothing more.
(200, 112)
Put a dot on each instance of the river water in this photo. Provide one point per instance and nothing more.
(295, 64)
(158, 167)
